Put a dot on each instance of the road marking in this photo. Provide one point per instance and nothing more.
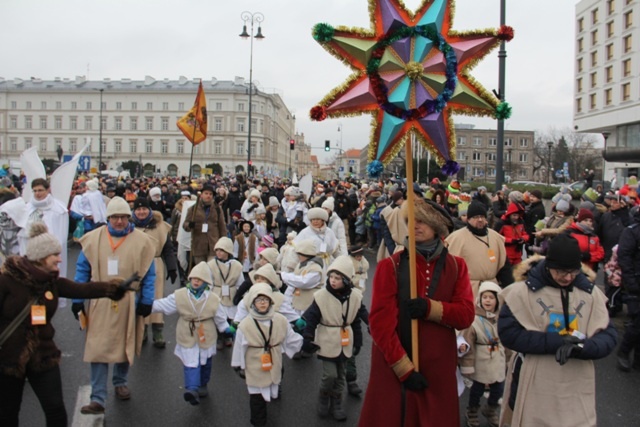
(82, 420)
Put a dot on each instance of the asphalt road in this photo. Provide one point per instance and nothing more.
(156, 384)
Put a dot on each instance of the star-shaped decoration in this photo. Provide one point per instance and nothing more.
(411, 72)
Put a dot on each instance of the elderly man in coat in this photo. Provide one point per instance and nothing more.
(205, 222)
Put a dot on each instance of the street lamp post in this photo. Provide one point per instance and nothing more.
(100, 136)
(252, 18)
(549, 145)
(510, 164)
(502, 63)
(341, 151)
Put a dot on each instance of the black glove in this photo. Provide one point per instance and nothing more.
(567, 351)
(173, 275)
(416, 382)
(192, 224)
(309, 346)
(417, 308)
(125, 286)
(76, 308)
(143, 309)
(356, 351)
(570, 339)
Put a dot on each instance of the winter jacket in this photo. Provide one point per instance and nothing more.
(610, 228)
(629, 256)
(233, 203)
(534, 213)
(590, 247)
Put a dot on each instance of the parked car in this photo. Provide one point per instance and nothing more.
(581, 186)
(532, 183)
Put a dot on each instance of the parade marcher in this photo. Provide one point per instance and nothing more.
(29, 290)
(197, 329)
(176, 214)
(260, 223)
(334, 330)
(318, 197)
(583, 231)
(250, 206)
(482, 248)
(152, 224)
(485, 361)
(397, 394)
(324, 238)
(557, 223)
(227, 278)
(261, 339)
(114, 330)
(234, 200)
(287, 258)
(556, 322)
(361, 267)
(514, 233)
(93, 206)
(206, 223)
(306, 279)
(336, 225)
(534, 212)
(393, 227)
(245, 246)
(344, 209)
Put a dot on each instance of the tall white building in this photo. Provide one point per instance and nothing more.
(607, 79)
(139, 123)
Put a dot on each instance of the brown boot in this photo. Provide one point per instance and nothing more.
(492, 414)
(472, 417)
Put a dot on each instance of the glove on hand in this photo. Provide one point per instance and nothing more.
(123, 286)
(309, 347)
(417, 308)
(567, 351)
(76, 308)
(230, 331)
(570, 339)
(192, 224)
(356, 351)
(172, 275)
(300, 324)
(143, 309)
(416, 382)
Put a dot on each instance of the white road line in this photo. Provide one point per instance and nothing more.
(82, 420)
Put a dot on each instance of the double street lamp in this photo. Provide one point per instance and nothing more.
(252, 18)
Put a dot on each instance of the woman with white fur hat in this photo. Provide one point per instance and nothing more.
(324, 238)
(250, 205)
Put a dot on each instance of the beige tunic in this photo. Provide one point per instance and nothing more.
(302, 298)
(160, 234)
(194, 314)
(225, 274)
(362, 273)
(114, 332)
(255, 375)
(328, 332)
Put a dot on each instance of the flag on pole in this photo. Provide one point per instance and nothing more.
(194, 124)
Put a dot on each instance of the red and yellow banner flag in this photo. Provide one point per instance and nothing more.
(194, 124)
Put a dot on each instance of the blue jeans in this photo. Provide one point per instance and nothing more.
(99, 373)
(197, 377)
(477, 390)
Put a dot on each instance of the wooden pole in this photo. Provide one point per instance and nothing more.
(412, 251)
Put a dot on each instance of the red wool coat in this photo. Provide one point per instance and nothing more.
(451, 308)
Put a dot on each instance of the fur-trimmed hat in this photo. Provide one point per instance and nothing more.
(225, 244)
(307, 247)
(41, 243)
(329, 204)
(270, 254)
(260, 210)
(430, 213)
(344, 266)
(273, 201)
(254, 193)
(318, 213)
(203, 272)
(118, 206)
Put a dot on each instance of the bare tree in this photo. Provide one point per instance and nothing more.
(581, 153)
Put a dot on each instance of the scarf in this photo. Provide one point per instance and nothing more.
(478, 231)
(261, 316)
(197, 292)
(116, 233)
(429, 250)
(142, 223)
(584, 228)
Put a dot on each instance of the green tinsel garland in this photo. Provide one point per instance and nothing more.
(323, 33)
(503, 111)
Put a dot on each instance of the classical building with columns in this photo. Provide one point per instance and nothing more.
(139, 124)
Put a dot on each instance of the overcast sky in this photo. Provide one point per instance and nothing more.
(199, 38)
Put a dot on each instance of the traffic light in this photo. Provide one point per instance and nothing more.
(327, 145)
(292, 144)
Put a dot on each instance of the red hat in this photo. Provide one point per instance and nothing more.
(435, 181)
(584, 214)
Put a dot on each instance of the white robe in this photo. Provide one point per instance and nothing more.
(337, 226)
(93, 203)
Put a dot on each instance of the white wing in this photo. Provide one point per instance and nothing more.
(306, 183)
(33, 168)
(62, 178)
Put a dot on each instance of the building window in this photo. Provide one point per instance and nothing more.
(58, 122)
(165, 123)
(628, 19)
(165, 106)
(594, 16)
(524, 142)
(43, 122)
(13, 122)
(218, 106)
(133, 124)
(134, 106)
(58, 105)
(148, 146)
(240, 148)
(27, 122)
(476, 156)
(594, 37)
(43, 105)
(180, 106)
(164, 146)
(28, 105)
(57, 142)
(579, 65)
(27, 143)
(118, 105)
(43, 144)
(594, 58)
(592, 101)
(627, 44)
(104, 146)
(626, 67)
(607, 97)
(73, 123)
(14, 144)
(491, 157)
(580, 46)
(579, 84)
(149, 106)
(611, 6)
(593, 78)
(477, 141)
(626, 91)
(608, 73)
(217, 147)
(180, 147)
(493, 142)
(103, 123)
(579, 105)
(88, 123)
(461, 156)
(524, 157)
(89, 105)
(609, 51)
(133, 146)
(240, 106)
(508, 142)
(118, 123)
(217, 124)
(610, 29)
(14, 105)
(149, 123)
(74, 105)
(580, 25)
(118, 146)
(462, 140)
(240, 125)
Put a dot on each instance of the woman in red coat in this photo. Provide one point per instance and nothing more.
(514, 233)
(583, 231)
(397, 395)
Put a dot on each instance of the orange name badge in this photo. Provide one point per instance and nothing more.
(265, 359)
(344, 337)
(297, 292)
(492, 255)
(201, 333)
(38, 315)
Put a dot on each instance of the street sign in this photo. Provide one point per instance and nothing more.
(559, 173)
(84, 163)
(206, 171)
(341, 169)
(352, 162)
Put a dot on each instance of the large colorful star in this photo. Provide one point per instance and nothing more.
(411, 72)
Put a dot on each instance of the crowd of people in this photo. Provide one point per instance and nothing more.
(506, 290)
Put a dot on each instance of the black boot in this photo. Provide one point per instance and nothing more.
(323, 404)
(158, 339)
(336, 408)
(353, 389)
(624, 362)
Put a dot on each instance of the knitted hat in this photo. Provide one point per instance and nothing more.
(562, 206)
(329, 204)
(306, 247)
(270, 254)
(342, 265)
(267, 240)
(536, 193)
(563, 253)
(318, 213)
(273, 201)
(208, 188)
(268, 273)
(417, 190)
(41, 243)
(260, 210)
(584, 214)
(118, 206)
(482, 188)
(185, 193)
(225, 244)
(237, 214)
(203, 272)
(476, 209)
(516, 196)
(254, 193)
(356, 250)
(432, 214)
(141, 203)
